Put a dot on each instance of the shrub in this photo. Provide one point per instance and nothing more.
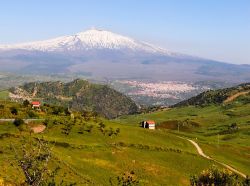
(32, 114)
(58, 110)
(62, 144)
(26, 103)
(102, 128)
(111, 132)
(23, 127)
(246, 182)
(128, 178)
(216, 177)
(14, 110)
(17, 122)
(89, 128)
(233, 128)
(117, 131)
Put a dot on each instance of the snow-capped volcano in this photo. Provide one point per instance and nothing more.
(90, 39)
(103, 54)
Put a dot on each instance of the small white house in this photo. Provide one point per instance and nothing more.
(150, 124)
(36, 104)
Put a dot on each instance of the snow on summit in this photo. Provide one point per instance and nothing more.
(90, 39)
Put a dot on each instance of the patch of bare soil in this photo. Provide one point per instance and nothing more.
(38, 128)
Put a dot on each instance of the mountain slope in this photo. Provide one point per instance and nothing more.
(96, 150)
(218, 96)
(79, 95)
(90, 39)
(102, 54)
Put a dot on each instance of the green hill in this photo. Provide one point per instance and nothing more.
(221, 126)
(217, 96)
(91, 150)
(79, 95)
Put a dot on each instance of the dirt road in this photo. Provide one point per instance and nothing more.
(200, 152)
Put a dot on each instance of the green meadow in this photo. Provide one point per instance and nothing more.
(93, 158)
(210, 126)
(91, 150)
(4, 94)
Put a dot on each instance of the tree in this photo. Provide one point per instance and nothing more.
(117, 131)
(216, 177)
(1, 106)
(102, 127)
(233, 126)
(32, 159)
(127, 179)
(14, 110)
(246, 182)
(32, 114)
(18, 122)
(26, 103)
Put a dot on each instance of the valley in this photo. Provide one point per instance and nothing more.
(163, 93)
(143, 92)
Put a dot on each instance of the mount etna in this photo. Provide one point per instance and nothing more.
(101, 54)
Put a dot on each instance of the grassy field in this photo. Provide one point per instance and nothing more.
(4, 94)
(210, 127)
(87, 156)
(157, 157)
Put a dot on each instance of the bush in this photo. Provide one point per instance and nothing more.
(128, 178)
(26, 103)
(102, 127)
(117, 131)
(23, 127)
(18, 122)
(89, 128)
(14, 110)
(62, 144)
(32, 114)
(216, 177)
(58, 110)
(233, 128)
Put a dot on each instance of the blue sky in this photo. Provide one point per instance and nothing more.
(216, 29)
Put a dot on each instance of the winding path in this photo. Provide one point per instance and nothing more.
(201, 153)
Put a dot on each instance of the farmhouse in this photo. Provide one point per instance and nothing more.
(150, 124)
(36, 104)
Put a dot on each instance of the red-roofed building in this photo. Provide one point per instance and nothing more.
(36, 104)
(150, 124)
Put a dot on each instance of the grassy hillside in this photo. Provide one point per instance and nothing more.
(91, 150)
(217, 96)
(4, 94)
(79, 95)
(88, 154)
(222, 130)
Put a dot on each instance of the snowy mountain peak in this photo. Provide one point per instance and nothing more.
(88, 40)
